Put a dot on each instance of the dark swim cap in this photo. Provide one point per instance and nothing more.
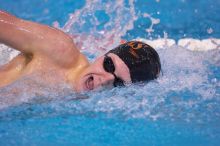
(142, 60)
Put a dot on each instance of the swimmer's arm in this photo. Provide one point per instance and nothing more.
(38, 40)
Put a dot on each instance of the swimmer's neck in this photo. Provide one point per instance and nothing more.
(74, 74)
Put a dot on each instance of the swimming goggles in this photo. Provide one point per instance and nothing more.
(110, 68)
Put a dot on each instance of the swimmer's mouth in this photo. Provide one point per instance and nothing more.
(90, 83)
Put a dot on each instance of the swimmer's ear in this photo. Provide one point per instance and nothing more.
(123, 41)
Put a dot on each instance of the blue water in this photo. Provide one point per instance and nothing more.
(180, 108)
(179, 18)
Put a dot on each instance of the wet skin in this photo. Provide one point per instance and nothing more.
(94, 76)
(47, 50)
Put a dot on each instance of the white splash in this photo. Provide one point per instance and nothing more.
(120, 19)
(184, 64)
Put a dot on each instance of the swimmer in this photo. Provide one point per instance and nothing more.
(44, 49)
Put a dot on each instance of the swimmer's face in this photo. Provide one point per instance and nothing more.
(107, 70)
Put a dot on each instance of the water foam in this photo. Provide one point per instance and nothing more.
(187, 43)
(187, 83)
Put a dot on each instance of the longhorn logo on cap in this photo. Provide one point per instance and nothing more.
(134, 46)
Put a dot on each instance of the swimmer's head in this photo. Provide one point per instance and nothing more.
(141, 59)
(133, 61)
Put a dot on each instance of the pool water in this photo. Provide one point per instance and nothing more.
(181, 108)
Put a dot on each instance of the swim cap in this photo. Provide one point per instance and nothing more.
(142, 60)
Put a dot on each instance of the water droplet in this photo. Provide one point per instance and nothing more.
(209, 30)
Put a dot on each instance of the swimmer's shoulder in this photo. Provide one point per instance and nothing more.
(81, 61)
